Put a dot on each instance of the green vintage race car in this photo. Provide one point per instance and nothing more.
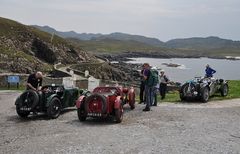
(50, 100)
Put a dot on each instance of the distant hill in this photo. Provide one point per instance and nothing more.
(202, 43)
(122, 42)
(69, 34)
(25, 49)
(114, 36)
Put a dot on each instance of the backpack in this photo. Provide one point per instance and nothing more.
(153, 79)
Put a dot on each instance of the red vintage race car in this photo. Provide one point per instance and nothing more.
(104, 102)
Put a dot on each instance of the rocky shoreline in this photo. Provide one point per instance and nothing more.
(124, 57)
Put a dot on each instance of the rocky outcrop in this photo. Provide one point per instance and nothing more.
(24, 49)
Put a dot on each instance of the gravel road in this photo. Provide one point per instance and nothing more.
(169, 128)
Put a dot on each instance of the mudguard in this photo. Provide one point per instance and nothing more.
(79, 101)
(118, 102)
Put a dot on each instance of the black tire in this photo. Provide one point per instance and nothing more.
(54, 109)
(28, 99)
(132, 103)
(96, 96)
(119, 114)
(181, 96)
(204, 94)
(182, 93)
(224, 90)
(22, 114)
(81, 114)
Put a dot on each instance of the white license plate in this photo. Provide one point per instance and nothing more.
(25, 109)
(95, 114)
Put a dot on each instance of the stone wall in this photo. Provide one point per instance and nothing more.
(23, 80)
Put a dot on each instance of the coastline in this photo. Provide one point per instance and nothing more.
(125, 56)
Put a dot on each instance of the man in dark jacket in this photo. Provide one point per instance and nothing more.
(34, 81)
(209, 71)
(142, 87)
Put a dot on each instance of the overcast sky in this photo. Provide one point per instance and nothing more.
(163, 19)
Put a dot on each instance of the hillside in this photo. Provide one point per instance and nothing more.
(25, 49)
(214, 47)
(203, 43)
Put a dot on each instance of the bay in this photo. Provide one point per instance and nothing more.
(193, 67)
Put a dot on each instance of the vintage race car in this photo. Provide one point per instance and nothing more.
(202, 88)
(105, 102)
(51, 100)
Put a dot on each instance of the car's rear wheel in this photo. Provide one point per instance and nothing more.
(205, 94)
(54, 109)
(119, 114)
(81, 114)
(224, 90)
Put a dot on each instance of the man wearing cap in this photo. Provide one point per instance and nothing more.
(164, 80)
(209, 71)
(34, 81)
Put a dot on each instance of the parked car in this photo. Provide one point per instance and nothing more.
(50, 100)
(202, 88)
(105, 102)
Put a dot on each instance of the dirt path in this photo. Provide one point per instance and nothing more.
(169, 128)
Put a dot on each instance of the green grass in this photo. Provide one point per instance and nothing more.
(234, 92)
(14, 87)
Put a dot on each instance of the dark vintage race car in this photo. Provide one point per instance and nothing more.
(51, 100)
(105, 102)
(202, 88)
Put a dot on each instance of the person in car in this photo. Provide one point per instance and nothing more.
(34, 81)
(209, 71)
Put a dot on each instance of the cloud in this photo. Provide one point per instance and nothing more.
(157, 18)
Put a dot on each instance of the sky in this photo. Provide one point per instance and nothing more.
(162, 19)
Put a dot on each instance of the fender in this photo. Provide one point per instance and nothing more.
(79, 101)
(49, 99)
(118, 102)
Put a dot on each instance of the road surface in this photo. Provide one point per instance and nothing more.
(169, 128)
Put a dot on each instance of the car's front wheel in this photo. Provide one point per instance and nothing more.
(119, 114)
(132, 101)
(54, 109)
(224, 90)
(204, 94)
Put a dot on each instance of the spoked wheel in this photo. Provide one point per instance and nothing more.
(224, 90)
(119, 114)
(81, 114)
(54, 109)
(205, 94)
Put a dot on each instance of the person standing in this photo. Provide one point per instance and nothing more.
(164, 80)
(150, 82)
(148, 89)
(209, 71)
(142, 87)
(156, 87)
